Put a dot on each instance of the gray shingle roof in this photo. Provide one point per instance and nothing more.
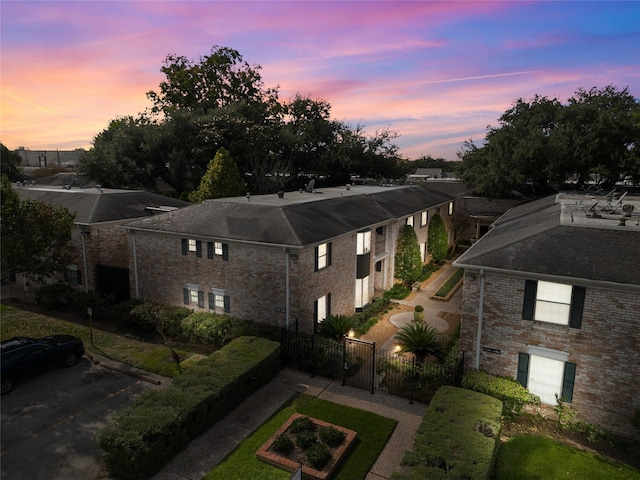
(298, 219)
(544, 237)
(91, 206)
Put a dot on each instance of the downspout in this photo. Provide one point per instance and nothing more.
(286, 287)
(135, 264)
(84, 260)
(480, 308)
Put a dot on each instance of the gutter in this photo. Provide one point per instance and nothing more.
(480, 315)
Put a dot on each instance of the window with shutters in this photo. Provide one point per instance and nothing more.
(218, 249)
(551, 302)
(193, 296)
(218, 301)
(192, 245)
(323, 256)
(547, 376)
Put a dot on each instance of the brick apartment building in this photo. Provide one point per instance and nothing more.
(102, 261)
(552, 298)
(287, 259)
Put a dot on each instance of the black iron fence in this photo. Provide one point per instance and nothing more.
(357, 363)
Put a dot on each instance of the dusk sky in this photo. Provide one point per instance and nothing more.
(436, 72)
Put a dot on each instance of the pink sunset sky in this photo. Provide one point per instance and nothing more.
(436, 72)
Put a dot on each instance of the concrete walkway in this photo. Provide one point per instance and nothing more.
(208, 450)
(434, 309)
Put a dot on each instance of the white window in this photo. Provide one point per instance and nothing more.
(545, 378)
(216, 300)
(217, 248)
(423, 218)
(410, 221)
(323, 256)
(450, 208)
(322, 309)
(423, 251)
(553, 302)
(363, 242)
(192, 245)
(362, 292)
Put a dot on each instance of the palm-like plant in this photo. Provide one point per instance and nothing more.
(336, 326)
(421, 339)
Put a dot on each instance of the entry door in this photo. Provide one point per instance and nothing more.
(545, 378)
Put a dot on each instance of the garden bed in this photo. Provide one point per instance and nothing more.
(298, 456)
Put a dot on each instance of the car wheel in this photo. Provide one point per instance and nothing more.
(70, 359)
(6, 385)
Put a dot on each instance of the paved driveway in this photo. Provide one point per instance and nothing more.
(49, 421)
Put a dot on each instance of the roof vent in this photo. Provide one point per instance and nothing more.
(623, 222)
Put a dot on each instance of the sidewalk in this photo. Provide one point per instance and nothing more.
(208, 450)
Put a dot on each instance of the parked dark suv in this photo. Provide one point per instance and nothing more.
(22, 356)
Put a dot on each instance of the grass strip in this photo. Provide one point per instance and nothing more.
(444, 290)
(147, 356)
(373, 433)
(537, 457)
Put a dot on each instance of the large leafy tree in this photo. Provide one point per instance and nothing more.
(9, 162)
(35, 236)
(437, 239)
(221, 180)
(542, 142)
(408, 262)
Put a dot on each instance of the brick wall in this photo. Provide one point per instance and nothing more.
(605, 348)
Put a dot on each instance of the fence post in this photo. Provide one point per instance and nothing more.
(412, 374)
(373, 368)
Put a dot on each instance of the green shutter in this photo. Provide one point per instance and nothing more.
(212, 303)
(227, 304)
(523, 369)
(200, 298)
(529, 304)
(315, 266)
(568, 381)
(577, 306)
(328, 254)
(225, 252)
(185, 246)
(209, 249)
(198, 248)
(328, 305)
(185, 295)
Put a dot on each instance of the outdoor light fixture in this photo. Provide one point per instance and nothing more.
(352, 333)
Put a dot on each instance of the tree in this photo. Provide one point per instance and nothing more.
(35, 236)
(9, 162)
(541, 143)
(437, 239)
(221, 180)
(408, 262)
(422, 340)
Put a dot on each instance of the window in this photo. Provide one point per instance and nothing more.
(191, 246)
(424, 217)
(547, 374)
(193, 296)
(72, 275)
(219, 301)
(551, 302)
(363, 242)
(362, 292)
(423, 251)
(323, 256)
(322, 308)
(450, 208)
(219, 249)
(410, 221)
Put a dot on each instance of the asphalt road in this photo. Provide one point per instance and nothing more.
(48, 422)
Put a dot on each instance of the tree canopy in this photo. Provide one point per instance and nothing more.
(543, 142)
(221, 180)
(35, 235)
(9, 162)
(220, 101)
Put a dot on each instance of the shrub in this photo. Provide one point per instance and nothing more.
(437, 239)
(212, 328)
(336, 326)
(459, 432)
(398, 291)
(427, 270)
(305, 439)
(318, 456)
(166, 319)
(57, 296)
(408, 260)
(512, 395)
(331, 436)
(283, 444)
(302, 424)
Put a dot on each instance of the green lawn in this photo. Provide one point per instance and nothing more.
(147, 356)
(525, 457)
(453, 280)
(373, 433)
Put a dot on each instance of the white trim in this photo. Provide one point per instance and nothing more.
(547, 353)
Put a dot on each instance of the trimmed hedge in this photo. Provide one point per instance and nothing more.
(143, 437)
(457, 439)
(512, 395)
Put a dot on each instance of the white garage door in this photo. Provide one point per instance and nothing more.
(545, 378)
